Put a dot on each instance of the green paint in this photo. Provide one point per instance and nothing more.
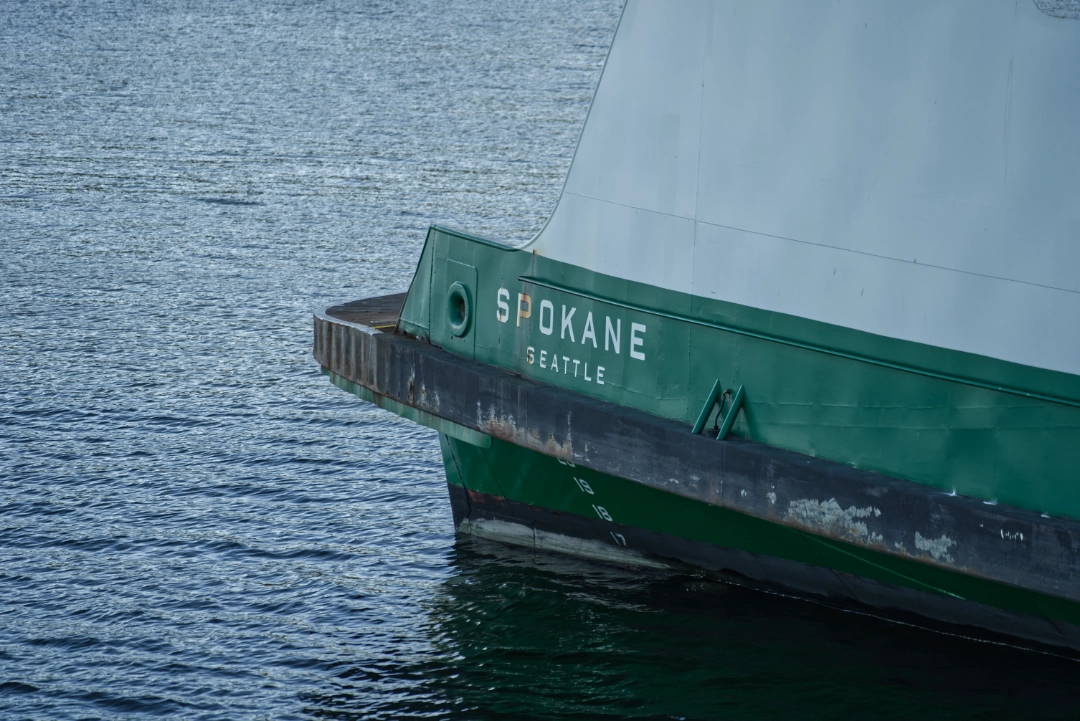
(416, 313)
(732, 414)
(707, 409)
(807, 346)
(978, 426)
(528, 477)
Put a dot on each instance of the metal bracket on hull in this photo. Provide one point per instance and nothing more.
(733, 410)
(706, 411)
(716, 397)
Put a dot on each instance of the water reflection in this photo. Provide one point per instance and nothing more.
(522, 635)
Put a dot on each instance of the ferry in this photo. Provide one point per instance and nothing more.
(806, 316)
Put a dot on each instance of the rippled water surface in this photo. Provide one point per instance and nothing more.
(196, 524)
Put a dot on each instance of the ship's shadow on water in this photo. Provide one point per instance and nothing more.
(520, 634)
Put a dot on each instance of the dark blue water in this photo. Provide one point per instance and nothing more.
(194, 523)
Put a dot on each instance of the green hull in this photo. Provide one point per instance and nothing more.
(892, 299)
(972, 425)
(992, 435)
(609, 507)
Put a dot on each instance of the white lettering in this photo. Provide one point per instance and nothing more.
(529, 354)
(565, 365)
(588, 332)
(613, 334)
(635, 341)
(584, 486)
(566, 324)
(602, 512)
(546, 305)
(600, 375)
(587, 372)
(524, 307)
(503, 313)
(576, 364)
(543, 358)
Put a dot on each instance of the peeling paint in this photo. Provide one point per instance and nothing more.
(829, 517)
(772, 498)
(938, 548)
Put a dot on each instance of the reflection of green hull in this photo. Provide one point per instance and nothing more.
(564, 639)
(530, 481)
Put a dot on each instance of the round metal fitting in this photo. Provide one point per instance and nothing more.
(458, 309)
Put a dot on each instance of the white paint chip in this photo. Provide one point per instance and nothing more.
(938, 548)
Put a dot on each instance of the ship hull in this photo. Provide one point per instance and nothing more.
(508, 494)
(539, 465)
(960, 423)
(878, 281)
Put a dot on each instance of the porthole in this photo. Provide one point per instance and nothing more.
(458, 309)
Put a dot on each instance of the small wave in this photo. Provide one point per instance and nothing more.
(228, 201)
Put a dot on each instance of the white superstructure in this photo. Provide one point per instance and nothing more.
(906, 168)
